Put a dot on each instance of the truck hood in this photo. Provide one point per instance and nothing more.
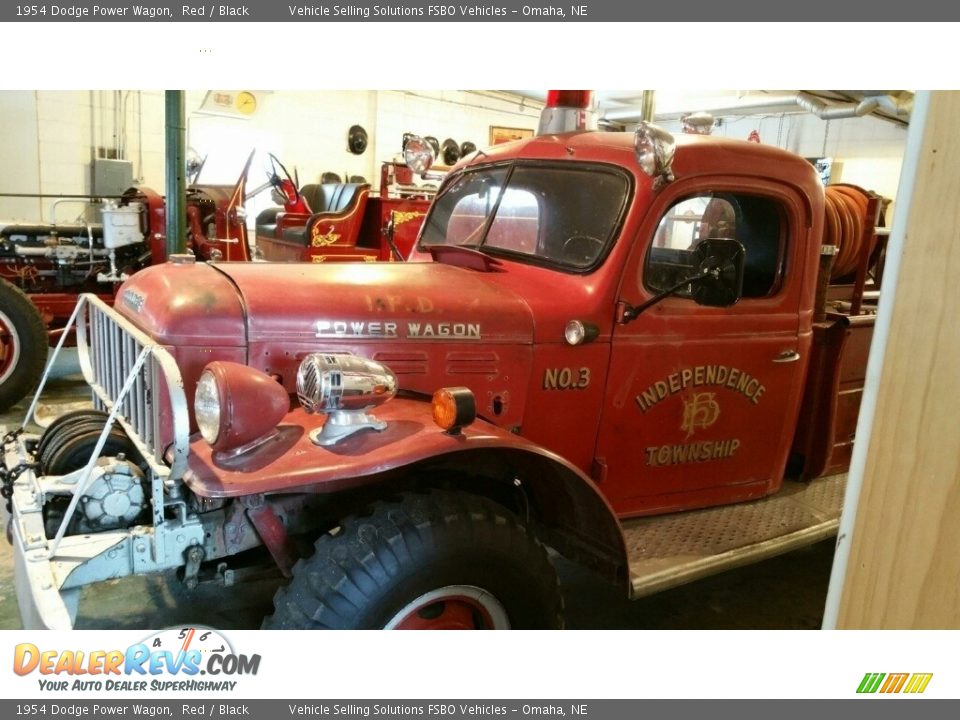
(184, 304)
(419, 302)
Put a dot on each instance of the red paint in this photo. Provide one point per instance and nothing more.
(453, 612)
(251, 404)
(279, 313)
(273, 533)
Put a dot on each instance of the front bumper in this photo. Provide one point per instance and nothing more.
(48, 586)
(41, 603)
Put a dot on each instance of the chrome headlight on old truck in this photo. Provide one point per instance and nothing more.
(238, 407)
(343, 386)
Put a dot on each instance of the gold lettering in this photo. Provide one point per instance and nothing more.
(650, 397)
(732, 380)
(698, 375)
(723, 372)
(685, 376)
(758, 394)
(705, 451)
(751, 387)
(711, 374)
(674, 380)
(550, 379)
(742, 383)
(661, 388)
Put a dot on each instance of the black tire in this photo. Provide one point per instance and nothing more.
(23, 353)
(376, 565)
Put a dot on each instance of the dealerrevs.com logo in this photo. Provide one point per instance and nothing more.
(888, 683)
(183, 653)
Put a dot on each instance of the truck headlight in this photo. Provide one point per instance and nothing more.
(343, 386)
(418, 154)
(206, 407)
(655, 148)
(238, 407)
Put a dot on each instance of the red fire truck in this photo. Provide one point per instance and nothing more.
(609, 328)
(336, 222)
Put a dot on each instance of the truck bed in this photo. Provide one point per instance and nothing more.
(670, 550)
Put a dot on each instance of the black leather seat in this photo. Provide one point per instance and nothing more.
(321, 197)
(267, 221)
(331, 197)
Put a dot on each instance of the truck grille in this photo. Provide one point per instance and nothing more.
(154, 410)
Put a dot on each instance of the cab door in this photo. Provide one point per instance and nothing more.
(702, 402)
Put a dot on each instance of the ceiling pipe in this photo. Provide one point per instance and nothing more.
(798, 102)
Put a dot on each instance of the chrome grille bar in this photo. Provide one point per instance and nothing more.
(109, 346)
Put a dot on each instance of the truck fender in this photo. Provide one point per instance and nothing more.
(412, 452)
(566, 507)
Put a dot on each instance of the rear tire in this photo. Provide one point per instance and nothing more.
(23, 345)
(433, 560)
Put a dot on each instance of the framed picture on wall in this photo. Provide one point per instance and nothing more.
(499, 135)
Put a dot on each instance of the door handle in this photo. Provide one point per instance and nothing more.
(787, 356)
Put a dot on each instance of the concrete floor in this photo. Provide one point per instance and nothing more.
(783, 593)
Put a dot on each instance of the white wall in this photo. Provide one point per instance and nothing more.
(49, 138)
(869, 151)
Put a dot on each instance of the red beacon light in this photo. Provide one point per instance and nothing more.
(567, 111)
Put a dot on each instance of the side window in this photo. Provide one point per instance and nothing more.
(756, 222)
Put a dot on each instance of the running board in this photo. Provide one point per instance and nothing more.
(671, 550)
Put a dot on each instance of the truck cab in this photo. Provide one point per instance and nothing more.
(592, 327)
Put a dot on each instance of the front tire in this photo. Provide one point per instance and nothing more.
(23, 345)
(438, 560)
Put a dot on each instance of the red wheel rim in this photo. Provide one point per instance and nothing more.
(9, 347)
(455, 607)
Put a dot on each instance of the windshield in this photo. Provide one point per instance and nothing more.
(559, 215)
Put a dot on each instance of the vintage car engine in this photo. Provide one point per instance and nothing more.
(49, 258)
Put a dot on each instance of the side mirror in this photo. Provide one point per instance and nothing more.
(715, 280)
(719, 265)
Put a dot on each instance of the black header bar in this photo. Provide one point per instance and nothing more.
(740, 11)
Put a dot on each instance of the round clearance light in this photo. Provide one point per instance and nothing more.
(454, 408)
(418, 154)
(578, 332)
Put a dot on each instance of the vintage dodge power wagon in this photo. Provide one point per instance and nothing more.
(593, 327)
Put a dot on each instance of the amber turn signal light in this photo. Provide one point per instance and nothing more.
(454, 408)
